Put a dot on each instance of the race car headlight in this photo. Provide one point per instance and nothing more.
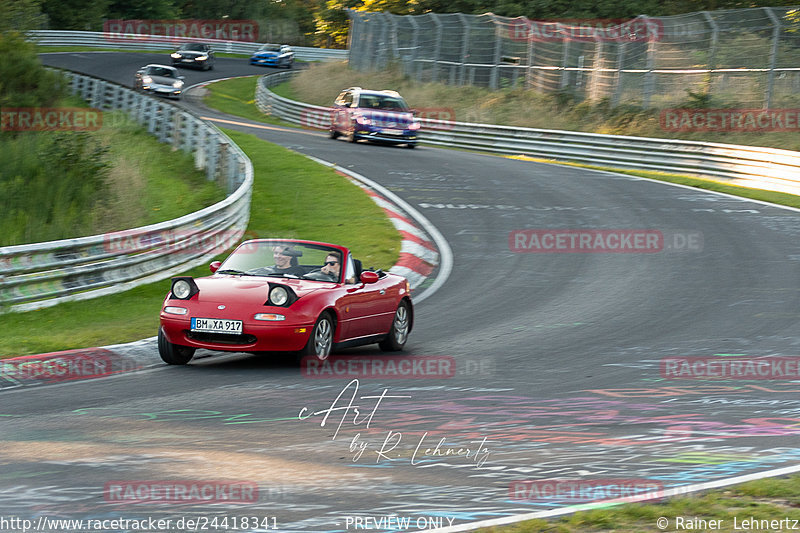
(184, 288)
(201, 58)
(175, 55)
(147, 79)
(178, 84)
(269, 317)
(278, 296)
(175, 310)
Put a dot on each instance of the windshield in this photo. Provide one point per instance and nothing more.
(284, 258)
(380, 101)
(194, 47)
(161, 71)
(270, 48)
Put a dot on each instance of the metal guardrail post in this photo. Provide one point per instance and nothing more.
(498, 52)
(437, 50)
(649, 76)
(773, 57)
(464, 48)
(712, 53)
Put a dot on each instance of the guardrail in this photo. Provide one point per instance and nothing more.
(132, 41)
(751, 166)
(33, 276)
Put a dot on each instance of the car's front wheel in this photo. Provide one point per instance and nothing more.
(173, 354)
(398, 333)
(333, 134)
(320, 343)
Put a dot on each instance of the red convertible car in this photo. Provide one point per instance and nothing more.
(285, 295)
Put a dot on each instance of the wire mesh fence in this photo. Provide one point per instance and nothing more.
(738, 58)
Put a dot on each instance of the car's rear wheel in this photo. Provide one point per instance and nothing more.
(173, 354)
(333, 134)
(320, 343)
(398, 333)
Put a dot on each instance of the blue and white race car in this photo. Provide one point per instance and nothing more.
(273, 55)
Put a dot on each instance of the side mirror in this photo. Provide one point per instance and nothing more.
(369, 277)
(214, 266)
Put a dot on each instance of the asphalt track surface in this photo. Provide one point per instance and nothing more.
(558, 360)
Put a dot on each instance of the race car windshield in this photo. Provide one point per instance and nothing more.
(270, 48)
(388, 103)
(164, 72)
(288, 259)
(194, 47)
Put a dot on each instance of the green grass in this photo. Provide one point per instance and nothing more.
(145, 182)
(768, 499)
(237, 97)
(292, 197)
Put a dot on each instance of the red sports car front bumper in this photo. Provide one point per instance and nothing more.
(256, 336)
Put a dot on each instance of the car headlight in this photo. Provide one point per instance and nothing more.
(147, 79)
(184, 288)
(278, 296)
(174, 310)
(201, 58)
(175, 55)
(178, 84)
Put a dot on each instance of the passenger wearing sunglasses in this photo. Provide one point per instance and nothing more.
(332, 266)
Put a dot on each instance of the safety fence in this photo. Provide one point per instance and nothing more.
(34, 276)
(750, 166)
(741, 57)
(131, 41)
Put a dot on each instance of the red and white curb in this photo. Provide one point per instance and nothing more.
(423, 250)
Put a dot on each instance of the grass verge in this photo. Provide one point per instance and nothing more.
(292, 197)
(237, 97)
(766, 499)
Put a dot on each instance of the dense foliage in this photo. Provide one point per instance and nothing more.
(325, 22)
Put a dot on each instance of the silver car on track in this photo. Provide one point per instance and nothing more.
(159, 79)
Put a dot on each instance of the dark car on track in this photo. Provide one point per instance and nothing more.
(159, 79)
(273, 55)
(281, 295)
(381, 116)
(197, 55)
